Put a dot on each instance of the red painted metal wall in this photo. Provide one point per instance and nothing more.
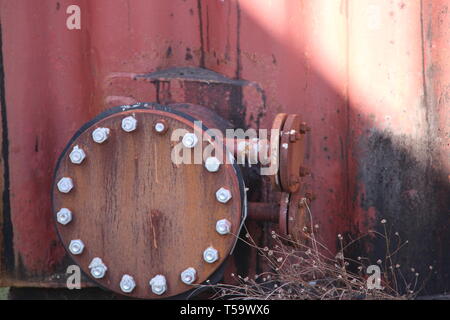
(370, 76)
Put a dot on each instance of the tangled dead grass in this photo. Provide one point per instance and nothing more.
(308, 271)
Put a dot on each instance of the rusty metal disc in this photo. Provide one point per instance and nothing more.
(142, 214)
(278, 124)
(291, 154)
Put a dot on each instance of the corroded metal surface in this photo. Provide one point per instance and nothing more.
(141, 213)
(371, 78)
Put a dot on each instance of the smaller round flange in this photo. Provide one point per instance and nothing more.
(291, 154)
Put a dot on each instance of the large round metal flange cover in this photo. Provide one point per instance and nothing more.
(134, 220)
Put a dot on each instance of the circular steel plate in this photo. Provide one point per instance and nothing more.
(139, 212)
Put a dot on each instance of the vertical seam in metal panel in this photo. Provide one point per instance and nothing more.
(202, 45)
(424, 80)
(7, 223)
(238, 40)
(426, 97)
(348, 106)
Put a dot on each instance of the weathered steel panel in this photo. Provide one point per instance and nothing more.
(371, 77)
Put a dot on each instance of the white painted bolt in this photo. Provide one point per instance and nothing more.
(158, 284)
(76, 247)
(77, 155)
(65, 185)
(223, 227)
(190, 140)
(212, 164)
(160, 127)
(223, 195)
(211, 255)
(98, 268)
(188, 276)
(100, 135)
(127, 283)
(129, 124)
(64, 216)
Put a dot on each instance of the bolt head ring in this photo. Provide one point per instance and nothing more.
(129, 124)
(223, 227)
(127, 284)
(65, 185)
(223, 195)
(212, 164)
(76, 247)
(64, 216)
(100, 135)
(98, 268)
(190, 140)
(188, 276)
(158, 284)
(77, 155)
(161, 126)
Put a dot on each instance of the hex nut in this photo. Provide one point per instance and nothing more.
(77, 155)
(98, 268)
(211, 255)
(76, 247)
(212, 164)
(64, 216)
(190, 140)
(100, 135)
(65, 185)
(129, 124)
(223, 195)
(223, 227)
(158, 284)
(188, 276)
(127, 284)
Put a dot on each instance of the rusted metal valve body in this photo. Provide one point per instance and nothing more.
(137, 222)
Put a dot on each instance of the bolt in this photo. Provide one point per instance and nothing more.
(304, 172)
(64, 216)
(190, 140)
(76, 247)
(65, 185)
(304, 128)
(188, 276)
(158, 284)
(98, 268)
(127, 284)
(100, 135)
(212, 164)
(223, 227)
(77, 155)
(223, 195)
(211, 255)
(294, 136)
(129, 124)
(161, 126)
